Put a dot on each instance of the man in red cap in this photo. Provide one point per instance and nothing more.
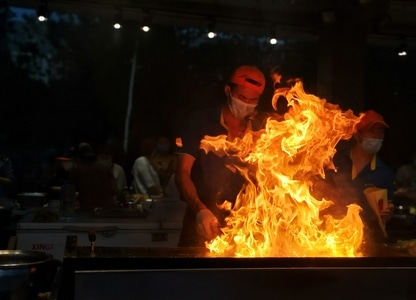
(205, 180)
(359, 168)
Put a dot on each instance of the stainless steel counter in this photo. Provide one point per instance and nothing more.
(190, 273)
(159, 228)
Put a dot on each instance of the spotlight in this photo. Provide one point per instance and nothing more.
(117, 20)
(402, 51)
(147, 23)
(273, 40)
(145, 28)
(42, 11)
(211, 33)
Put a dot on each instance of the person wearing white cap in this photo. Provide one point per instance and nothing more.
(205, 180)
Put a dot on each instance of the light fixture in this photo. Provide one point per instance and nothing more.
(273, 40)
(402, 51)
(273, 36)
(211, 33)
(42, 12)
(117, 25)
(147, 23)
(117, 19)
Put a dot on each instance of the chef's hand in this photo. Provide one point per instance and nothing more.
(387, 212)
(207, 224)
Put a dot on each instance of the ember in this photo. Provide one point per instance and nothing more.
(275, 214)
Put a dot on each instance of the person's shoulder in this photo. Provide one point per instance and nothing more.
(141, 160)
(117, 166)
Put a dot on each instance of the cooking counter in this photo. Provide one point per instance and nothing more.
(190, 273)
(160, 228)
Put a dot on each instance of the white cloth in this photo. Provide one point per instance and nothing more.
(119, 176)
(144, 176)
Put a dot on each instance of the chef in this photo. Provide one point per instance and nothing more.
(206, 180)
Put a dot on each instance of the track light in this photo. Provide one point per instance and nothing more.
(211, 33)
(145, 28)
(42, 11)
(117, 20)
(117, 25)
(402, 51)
(273, 39)
(146, 25)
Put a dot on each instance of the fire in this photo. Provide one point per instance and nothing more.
(275, 214)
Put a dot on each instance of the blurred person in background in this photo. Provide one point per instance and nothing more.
(163, 160)
(145, 178)
(405, 180)
(93, 181)
(57, 173)
(105, 157)
(6, 177)
(206, 180)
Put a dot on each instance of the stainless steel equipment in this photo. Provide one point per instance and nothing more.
(159, 228)
(189, 273)
(25, 273)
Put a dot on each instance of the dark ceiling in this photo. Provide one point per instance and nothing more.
(385, 20)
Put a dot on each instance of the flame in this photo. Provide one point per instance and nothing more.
(275, 213)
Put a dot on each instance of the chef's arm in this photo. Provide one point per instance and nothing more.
(185, 184)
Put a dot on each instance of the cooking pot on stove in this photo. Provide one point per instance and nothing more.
(24, 274)
(31, 200)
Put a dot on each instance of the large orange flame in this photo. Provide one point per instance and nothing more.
(275, 213)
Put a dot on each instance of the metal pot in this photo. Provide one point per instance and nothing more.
(19, 271)
(31, 200)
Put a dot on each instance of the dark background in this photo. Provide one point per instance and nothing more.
(67, 80)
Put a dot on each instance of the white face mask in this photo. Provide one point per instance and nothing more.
(239, 108)
(371, 145)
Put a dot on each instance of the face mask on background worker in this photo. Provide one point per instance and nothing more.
(371, 145)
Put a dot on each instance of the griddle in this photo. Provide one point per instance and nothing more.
(191, 273)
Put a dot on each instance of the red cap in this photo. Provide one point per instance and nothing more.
(250, 77)
(369, 118)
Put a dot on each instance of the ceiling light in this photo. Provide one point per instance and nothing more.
(211, 33)
(117, 20)
(402, 51)
(272, 37)
(42, 11)
(147, 23)
(273, 41)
